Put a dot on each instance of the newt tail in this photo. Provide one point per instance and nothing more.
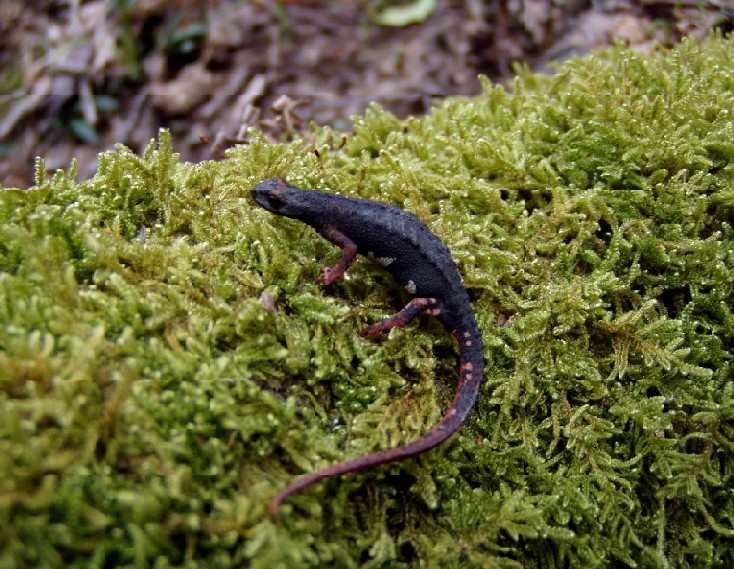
(420, 262)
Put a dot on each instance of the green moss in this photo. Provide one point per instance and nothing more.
(151, 404)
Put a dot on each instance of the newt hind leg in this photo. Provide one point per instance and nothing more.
(424, 306)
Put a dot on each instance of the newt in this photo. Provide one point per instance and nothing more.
(418, 261)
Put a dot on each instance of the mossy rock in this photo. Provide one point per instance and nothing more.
(167, 364)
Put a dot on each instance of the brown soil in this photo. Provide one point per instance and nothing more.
(76, 80)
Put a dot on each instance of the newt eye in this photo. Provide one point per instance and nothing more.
(271, 201)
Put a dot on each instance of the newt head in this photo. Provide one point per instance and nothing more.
(279, 197)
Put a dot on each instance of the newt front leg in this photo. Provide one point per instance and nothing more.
(329, 275)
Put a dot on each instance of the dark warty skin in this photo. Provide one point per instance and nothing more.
(420, 262)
